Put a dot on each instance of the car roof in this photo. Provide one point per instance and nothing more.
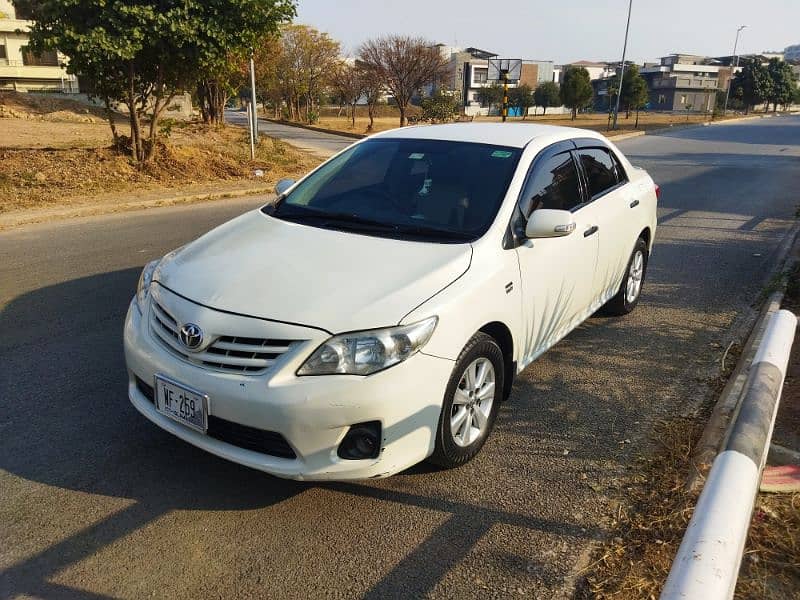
(517, 135)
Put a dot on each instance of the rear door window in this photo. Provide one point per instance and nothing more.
(600, 170)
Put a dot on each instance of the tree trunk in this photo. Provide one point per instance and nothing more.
(402, 108)
(636, 125)
(353, 114)
(371, 113)
(574, 112)
(133, 113)
(110, 117)
(544, 111)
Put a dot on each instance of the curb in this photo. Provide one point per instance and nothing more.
(707, 562)
(93, 210)
(718, 427)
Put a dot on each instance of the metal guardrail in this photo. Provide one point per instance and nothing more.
(707, 563)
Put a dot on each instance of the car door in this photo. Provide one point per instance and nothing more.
(606, 185)
(556, 273)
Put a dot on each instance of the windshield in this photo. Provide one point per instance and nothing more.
(430, 190)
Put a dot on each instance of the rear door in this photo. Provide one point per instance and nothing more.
(606, 184)
(556, 273)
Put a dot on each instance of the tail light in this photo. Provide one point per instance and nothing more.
(658, 192)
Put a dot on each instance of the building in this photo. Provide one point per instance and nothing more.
(597, 70)
(20, 69)
(792, 53)
(468, 72)
(685, 82)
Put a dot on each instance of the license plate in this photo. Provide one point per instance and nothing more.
(182, 403)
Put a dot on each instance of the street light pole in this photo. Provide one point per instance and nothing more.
(622, 67)
(253, 97)
(733, 70)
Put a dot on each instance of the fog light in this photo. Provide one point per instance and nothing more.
(363, 440)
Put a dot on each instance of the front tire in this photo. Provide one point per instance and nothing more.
(631, 288)
(471, 402)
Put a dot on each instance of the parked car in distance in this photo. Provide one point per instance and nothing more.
(376, 313)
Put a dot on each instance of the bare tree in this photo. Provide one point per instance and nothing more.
(404, 64)
(348, 81)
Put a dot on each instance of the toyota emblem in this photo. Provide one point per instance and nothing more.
(191, 336)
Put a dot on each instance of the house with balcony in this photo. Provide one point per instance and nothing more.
(21, 69)
(685, 82)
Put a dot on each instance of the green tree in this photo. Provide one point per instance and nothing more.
(783, 82)
(440, 107)
(546, 95)
(521, 98)
(490, 95)
(752, 85)
(141, 54)
(576, 89)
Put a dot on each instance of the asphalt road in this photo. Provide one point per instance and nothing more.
(95, 502)
(306, 139)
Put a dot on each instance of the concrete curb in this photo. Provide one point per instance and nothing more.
(718, 427)
(707, 563)
(11, 221)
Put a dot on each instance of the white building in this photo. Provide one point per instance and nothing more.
(20, 69)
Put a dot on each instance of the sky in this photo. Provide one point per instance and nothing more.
(565, 31)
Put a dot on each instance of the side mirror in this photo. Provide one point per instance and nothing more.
(283, 185)
(549, 222)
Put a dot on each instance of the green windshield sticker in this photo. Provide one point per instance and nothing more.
(501, 154)
(416, 156)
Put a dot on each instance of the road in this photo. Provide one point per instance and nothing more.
(306, 139)
(95, 502)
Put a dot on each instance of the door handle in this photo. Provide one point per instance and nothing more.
(590, 231)
(634, 204)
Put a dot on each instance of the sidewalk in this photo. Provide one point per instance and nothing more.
(152, 198)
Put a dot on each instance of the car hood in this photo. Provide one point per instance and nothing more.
(264, 267)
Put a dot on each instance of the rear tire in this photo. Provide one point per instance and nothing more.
(631, 288)
(471, 402)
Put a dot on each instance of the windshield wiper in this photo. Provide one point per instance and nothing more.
(434, 232)
(321, 215)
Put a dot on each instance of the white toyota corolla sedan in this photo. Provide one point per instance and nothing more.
(377, 312)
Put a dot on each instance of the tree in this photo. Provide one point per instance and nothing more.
(634, 90)
(576, 89)
(521, 97)
(404, 64)
(373, 90)
(637, 95)
(348, 81)
(783, 82)
(440, 107)
(490, 95)
(547, 94)
(752, 85)
(141, 54)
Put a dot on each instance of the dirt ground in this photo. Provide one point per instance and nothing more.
(56, 152)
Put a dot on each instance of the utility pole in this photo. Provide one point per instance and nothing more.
(254, 114)
(505, 95)
(622, 66)
(733, 69)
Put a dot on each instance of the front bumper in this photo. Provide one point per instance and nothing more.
(313, 414)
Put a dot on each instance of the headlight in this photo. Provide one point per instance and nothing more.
(366, 352)
(145, 279)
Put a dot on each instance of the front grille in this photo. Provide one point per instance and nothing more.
(227, 353)
(242, 436)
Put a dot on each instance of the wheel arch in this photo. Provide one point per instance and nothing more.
(502, 335)
(647, 236)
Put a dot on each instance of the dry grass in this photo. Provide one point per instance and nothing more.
(650, 526)
(390, 119)
(33, 178)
